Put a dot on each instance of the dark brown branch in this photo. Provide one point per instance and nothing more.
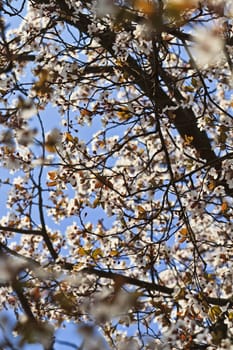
(148, 286)
(21, 230)
(129, 280)
(17, 287)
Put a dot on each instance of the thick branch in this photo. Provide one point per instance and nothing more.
(21, 230)
(129, 280)
(148, 286)
(17, 287)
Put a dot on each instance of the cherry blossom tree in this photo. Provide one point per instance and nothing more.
(116, 152)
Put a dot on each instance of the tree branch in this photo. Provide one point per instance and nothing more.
(153, 287)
